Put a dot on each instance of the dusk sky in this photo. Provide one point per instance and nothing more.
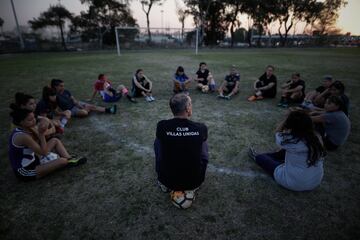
(27, 9)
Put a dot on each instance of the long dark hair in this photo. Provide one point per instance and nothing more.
(301, 128)
(18, 114)
(22, 98)
(46, 93)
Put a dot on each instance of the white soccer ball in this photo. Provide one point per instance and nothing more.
(182, 199)
(205, 88)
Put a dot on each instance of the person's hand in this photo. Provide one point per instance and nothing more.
(42, 127)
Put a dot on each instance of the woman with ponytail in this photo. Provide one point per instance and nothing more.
(298, 166)
(24, 149)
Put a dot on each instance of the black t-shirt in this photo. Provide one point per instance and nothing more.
(203, 75)
(231, 79)
(64, 100)
(296, 84)
(181, 166)
(264, 81)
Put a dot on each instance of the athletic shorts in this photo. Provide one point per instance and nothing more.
(229, 88)
(108, 98)
(75, 109)
(28, 173)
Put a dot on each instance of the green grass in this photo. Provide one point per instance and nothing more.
(114, 195)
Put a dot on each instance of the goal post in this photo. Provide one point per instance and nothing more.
(134, 38)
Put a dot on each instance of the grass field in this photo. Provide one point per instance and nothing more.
(114, 195)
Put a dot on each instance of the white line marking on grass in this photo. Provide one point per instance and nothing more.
(231, 171)
(146, 151)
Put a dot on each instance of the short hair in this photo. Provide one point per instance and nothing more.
(178, 103)
(101, 76)
(339, 86)
(202, 63)
(270, 66)
(328, 77)
(56, 82)
(296, 74)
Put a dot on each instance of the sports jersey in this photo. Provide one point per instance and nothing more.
(182, 162)
(203, 75)
(231, 79)
(100, 85)
(181, 78)
(64, 100)
(20, 156)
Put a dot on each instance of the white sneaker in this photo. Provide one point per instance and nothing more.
(152, 98)
(148, 99)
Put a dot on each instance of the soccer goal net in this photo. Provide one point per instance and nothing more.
(133, 38)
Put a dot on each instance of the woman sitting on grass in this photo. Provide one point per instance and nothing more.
(25, 101)
(204, 78)
(298, 166)
(107, 92)
(181, 81)
(141, 86)
(47, 107)
(24, 148)
(333, 124)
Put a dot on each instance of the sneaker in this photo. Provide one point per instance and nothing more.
(221, 96)
(252, 153)
(131, 99)
(148, 99)
(252, 98)
(76, 161)
(285, 105)
(280, 104)
(152, 98)
(227, 97)
(113, 109)
(162, 187)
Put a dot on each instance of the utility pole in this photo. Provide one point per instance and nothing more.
(17, 26)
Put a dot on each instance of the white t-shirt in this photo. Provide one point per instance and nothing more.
(295, 174)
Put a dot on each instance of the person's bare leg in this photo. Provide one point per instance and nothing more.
(45, 169)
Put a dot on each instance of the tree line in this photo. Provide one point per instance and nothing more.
(213, 18)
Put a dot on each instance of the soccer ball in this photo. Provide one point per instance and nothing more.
(205, 88)
(182, 199)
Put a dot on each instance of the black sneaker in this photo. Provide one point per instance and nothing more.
(131, 99)
(113, 109)
(76, 161)
(252, 153)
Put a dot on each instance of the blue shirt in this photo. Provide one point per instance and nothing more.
(181, 78)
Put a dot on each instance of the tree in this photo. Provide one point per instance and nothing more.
(261, 12)
(234, 7)
(149, 4)
(210, 16)
(182, 14)
(1, 25)
(101, 18)
(328, 15)
(54, 16)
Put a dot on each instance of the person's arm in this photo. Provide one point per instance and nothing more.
(267, 87)
(234, 89)
(93, 95)
(40, 148)
(318, 119)
(150, 84)
(137, 84)
(322, 95)
(255, 83)
(297, 89)
(286, 85)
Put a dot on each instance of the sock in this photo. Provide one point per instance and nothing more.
(212, 87)
(63, 122)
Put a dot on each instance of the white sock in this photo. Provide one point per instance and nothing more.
(63, 122)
